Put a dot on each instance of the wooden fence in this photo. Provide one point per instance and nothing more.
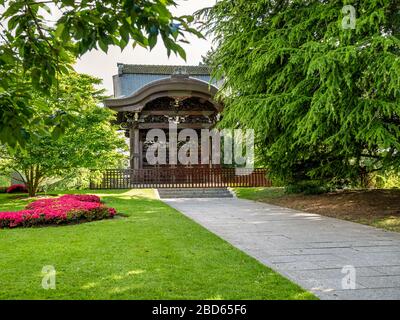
(182, 178)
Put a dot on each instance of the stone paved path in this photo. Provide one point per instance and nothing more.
(309, 249)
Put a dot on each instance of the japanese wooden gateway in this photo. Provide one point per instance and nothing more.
(151, 97)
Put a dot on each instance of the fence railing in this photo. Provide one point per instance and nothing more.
(182, 178)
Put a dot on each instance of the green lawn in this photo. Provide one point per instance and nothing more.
(153, 253)
(259, 194)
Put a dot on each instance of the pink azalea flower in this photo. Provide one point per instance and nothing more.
(68, 208)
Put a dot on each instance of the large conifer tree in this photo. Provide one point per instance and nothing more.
(324, 99)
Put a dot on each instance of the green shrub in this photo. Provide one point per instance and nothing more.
(4, 181)
(389, 180)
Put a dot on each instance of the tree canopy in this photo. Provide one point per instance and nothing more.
(88, 139)
(35, 50)
(324, 100)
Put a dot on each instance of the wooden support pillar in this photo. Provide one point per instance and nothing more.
(134, 148)
(140, 153)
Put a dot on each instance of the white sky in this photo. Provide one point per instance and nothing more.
(104, 66)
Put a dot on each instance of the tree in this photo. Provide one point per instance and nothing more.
(87, 141)
(42, 50)
(324, 100)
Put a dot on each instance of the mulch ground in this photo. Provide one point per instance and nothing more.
(379, 208)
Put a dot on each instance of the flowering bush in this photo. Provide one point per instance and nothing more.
(17, 188)
(62, 210)
(82, 197)
(3, 189)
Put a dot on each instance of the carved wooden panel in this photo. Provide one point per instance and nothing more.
(179, 104)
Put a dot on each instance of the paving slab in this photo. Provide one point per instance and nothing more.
(319, 253)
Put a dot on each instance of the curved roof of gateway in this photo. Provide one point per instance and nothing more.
(178, 85)
(133, 77)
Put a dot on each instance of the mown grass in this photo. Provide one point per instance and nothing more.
(259, 194)
(154, 252)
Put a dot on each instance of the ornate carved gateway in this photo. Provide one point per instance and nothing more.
(154, 97)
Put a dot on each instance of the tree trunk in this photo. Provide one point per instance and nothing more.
(31, 191)
(365, 180)
(32, 179)
(30, 186)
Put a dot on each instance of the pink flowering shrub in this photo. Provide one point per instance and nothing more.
(82, 197)
(17, 188)
(62, 210)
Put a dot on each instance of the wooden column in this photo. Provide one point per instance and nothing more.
(140, 152)
(134, 147)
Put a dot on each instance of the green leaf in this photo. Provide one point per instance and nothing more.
(103, 46)
(59, 30)
(152, 41)
(181, 52)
